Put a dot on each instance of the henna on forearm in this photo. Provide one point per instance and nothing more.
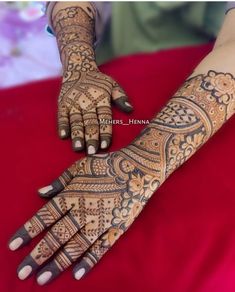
(75, 33)
(197, 110)
(96, 200)
(85, 98)
(100, 196)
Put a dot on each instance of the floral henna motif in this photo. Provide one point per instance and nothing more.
(222, 87)
(100, 202)
(84, 104)
(99, 197)
(197, 110)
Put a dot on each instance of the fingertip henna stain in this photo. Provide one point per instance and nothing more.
(84, 87)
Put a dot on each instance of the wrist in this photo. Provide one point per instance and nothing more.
(74, 29)
(145, 151)
(79, 57)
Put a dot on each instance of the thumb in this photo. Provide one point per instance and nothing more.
(120, 99)
(59, 184)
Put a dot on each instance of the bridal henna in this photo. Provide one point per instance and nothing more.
(84, 105)
(97, 199)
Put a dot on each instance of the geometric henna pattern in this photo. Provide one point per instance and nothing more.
(84, 104)
(100, 196)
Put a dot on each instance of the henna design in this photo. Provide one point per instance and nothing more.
(100, 196)
(85, 98)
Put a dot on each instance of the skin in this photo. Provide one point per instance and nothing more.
(97, 199)
(84, 104)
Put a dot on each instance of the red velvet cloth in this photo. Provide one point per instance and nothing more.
(184, 240)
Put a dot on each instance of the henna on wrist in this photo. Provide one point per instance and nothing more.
(100, 196)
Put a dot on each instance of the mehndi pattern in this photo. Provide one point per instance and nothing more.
(100, 196)
(84, 104)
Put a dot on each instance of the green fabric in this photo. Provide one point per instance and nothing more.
(150, 26)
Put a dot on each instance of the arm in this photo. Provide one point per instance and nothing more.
(98, 198)
(84, 105)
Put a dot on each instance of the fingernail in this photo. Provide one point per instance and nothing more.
(78, 275)
(15, 243)
(78, 144)
(128, 104)
(44, 278)
(104, 144)
(62, 133)
(24, 272)
(91, 149)
(46, 189)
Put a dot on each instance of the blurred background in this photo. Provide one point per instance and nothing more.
(29, 53)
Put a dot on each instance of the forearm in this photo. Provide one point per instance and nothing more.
(197, 110)
(73, 24)
(227, 32)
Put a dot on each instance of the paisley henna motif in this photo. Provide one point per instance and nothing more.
(97, 199)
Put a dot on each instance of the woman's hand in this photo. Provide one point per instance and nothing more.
(94, 202)
(84, 106)
(99, 197)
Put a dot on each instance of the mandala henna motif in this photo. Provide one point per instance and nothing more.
(85, 98)
(99, 197)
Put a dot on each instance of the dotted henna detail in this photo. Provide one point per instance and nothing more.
(102, 195)
(85, 90)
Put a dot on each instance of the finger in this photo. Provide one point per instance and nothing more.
(91, 131)
(120, 99)
(96, 252)
(63, 122)
(44, 218)
(77, 130)
(59, 184)
(60, 233)
(71, 251)
(104, 114)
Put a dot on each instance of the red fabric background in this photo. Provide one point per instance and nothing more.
(185, 238)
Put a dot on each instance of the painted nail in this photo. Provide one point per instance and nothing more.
(24, 272)
(91, 149)
(104, 144)
(128, 104)
(78, 275)
(44, 278)
(62, 133)
(78, 144)
(46, 189)
(15, 243)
